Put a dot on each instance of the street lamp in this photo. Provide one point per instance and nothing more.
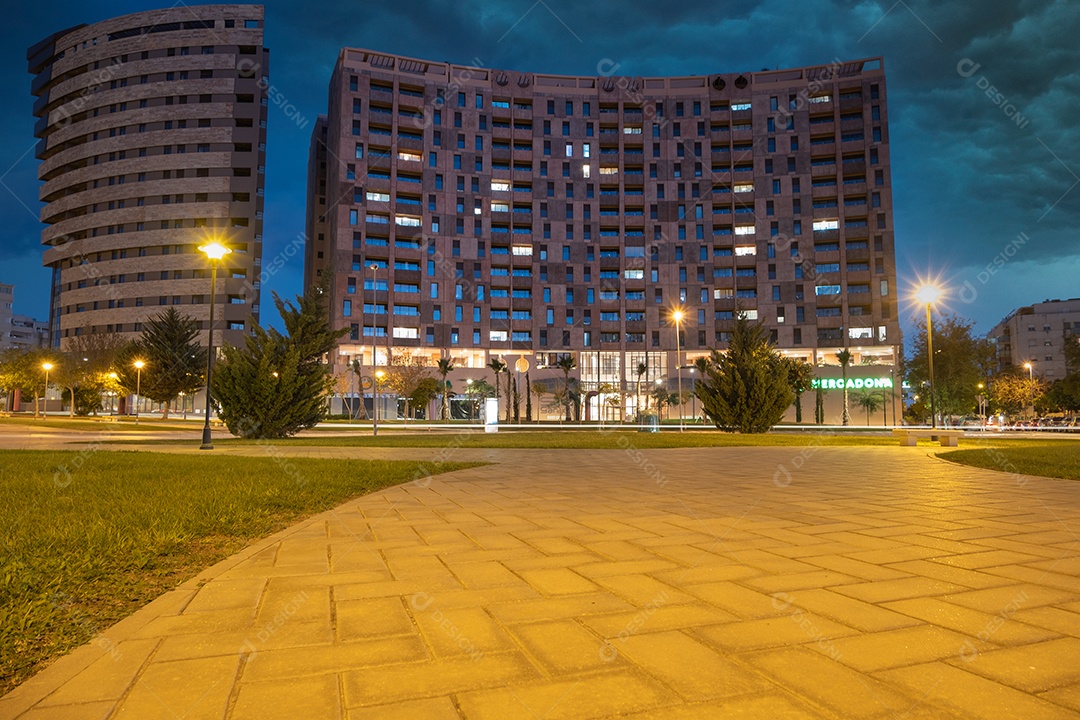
(677, 316)
(375, 403)
(468, 391)
(693, 395)
(1031, 386)
(214, 251)
(139, 365)
(114, 377)
(929, 294)
(374, 340)
(46, 366)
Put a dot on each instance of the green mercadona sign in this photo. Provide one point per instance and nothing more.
(852, 383)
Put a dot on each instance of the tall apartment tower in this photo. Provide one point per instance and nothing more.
(473, 213)
(152, 132)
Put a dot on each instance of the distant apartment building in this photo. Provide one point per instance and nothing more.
(19, 331)
(152, 140)
(476, 213)
(1037, 334)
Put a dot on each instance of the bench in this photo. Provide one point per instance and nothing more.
(910, 436)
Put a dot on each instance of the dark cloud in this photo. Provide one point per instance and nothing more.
(967, 177)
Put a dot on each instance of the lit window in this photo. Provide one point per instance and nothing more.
(378, 196)
(406, 332)
(742, 250)
(748, 187)
(744, 229)
(822, 225)
(500, 186)
(405, 155)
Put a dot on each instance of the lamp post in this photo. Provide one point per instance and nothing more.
(929, 294)
(1031, 387)
(46, 366)
(114, 377)
(468, 391)
(374, 344)
(677, 316)
(375, 403)
(214, 251)
(139, 365)
(522, 365)
(693, 395)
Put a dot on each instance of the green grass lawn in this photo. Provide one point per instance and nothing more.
(100, 424)
(89, 537)
(1056, 459)
(567, 440)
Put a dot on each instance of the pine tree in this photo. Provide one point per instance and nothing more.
(276, 385)
(746, 389)
(175, 363)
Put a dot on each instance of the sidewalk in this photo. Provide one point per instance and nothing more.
(818, 582)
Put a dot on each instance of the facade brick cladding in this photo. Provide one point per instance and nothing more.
(152, 140)
(473, 213)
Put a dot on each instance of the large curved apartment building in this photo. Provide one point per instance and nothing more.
(473, 213)
(152, 132)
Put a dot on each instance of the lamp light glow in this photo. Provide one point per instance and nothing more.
(214, 250)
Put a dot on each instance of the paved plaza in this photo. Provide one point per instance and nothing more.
(816, 582)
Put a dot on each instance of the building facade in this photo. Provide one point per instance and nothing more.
(475, 213)
(152, 140)
(1037, 334)
(19, 331)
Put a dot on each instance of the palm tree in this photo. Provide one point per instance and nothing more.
(567, 364)
(445, 366)
(539, 390)
(801, 378)
(844, 356)
(497, 366)
(641, 369)
(869, 401)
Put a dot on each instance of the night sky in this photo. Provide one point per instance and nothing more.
(983, 105)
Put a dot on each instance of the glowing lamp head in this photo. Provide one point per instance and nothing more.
(47, 366)
(113, 376)
(139, 364)
(1027, 366)
(380, 374)
(928, 294)
(214, 250)
(677, 316)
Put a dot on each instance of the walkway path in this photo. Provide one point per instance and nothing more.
(871, 582)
